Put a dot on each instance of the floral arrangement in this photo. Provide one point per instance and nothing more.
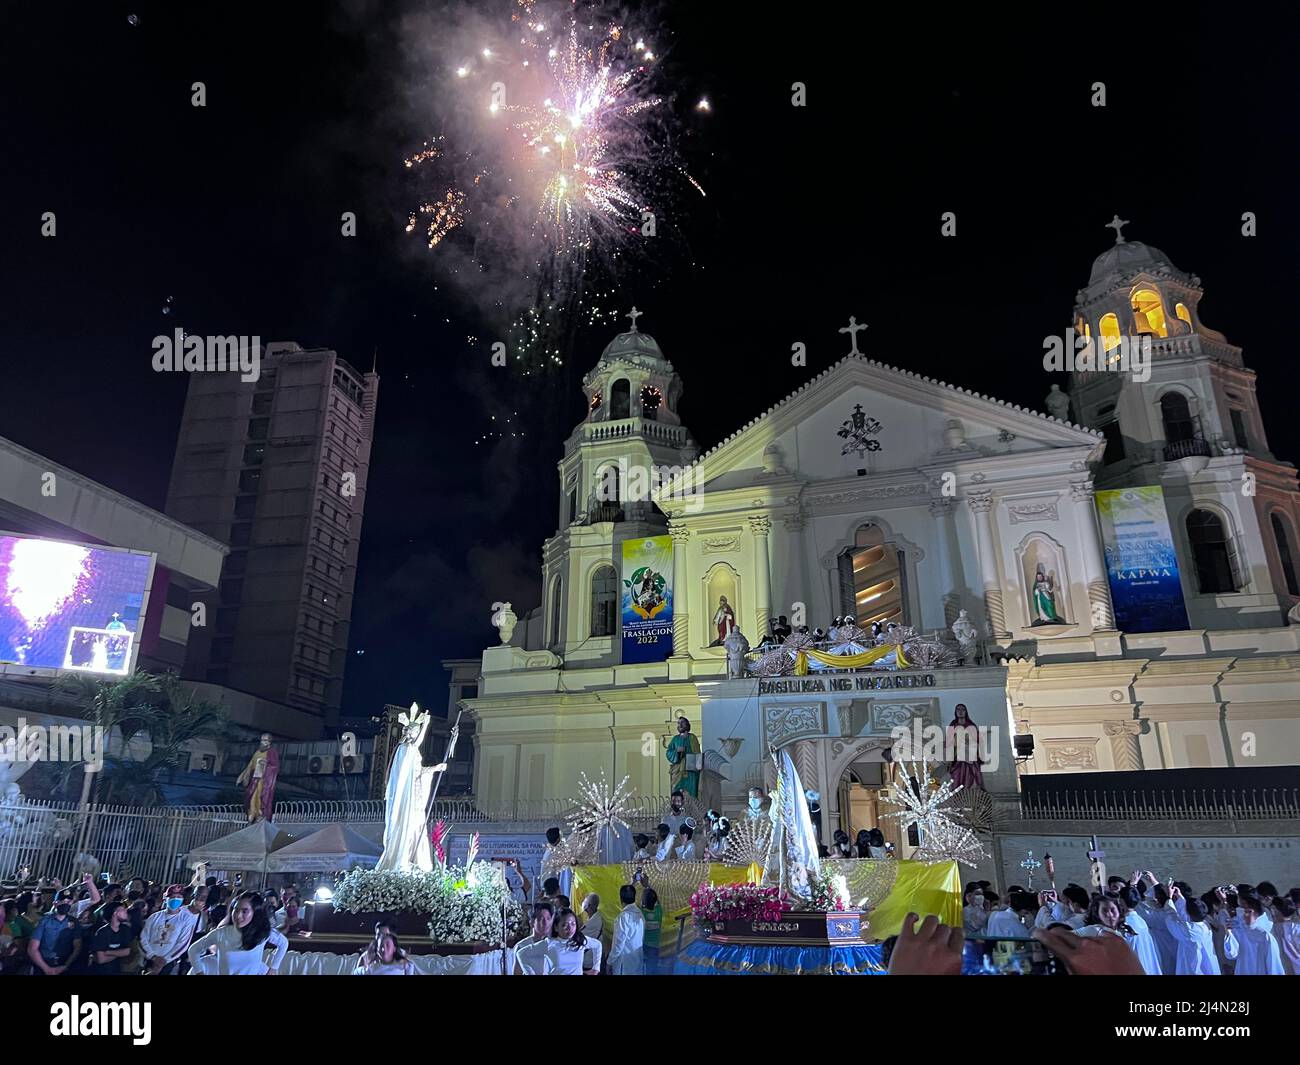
(465, 903)
(736, 902)
(830, 894)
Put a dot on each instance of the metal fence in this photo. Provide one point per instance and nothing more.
(1196, 804)
(60, 839)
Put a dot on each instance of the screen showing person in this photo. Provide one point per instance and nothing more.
(71, 606)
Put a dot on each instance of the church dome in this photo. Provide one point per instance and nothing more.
(1127, 257)
(633, 343)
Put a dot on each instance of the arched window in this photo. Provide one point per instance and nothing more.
(1284, 553)
(608, 490)
(1149, 313)
(871, 578)
(1177, 418)
(620, 399)
(557, 608)
(1212, 553)
(604, 597)
(1108, 327)
(1184, 315)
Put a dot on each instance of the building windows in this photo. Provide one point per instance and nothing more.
(258, 428)
(1212, 553)
(620, 399)
(249, 480)
(1108, 424)
(1239, 433)
(1283, 541)
(1176, 416)
(261, 403)
(236, 563)
(1108, 327)
(1184, 315)
(1149, 313)
(241, 534)
(604, 596)
(557, 609)
(232, 590)
(254, 454)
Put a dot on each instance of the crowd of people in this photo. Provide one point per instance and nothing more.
(565, 942)
(141, 928)
(1240, 929)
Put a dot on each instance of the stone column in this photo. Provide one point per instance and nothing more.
(760, 527)
(1094, 559)
(1124, 743)
(950, 587)
(981, 505)
(681, 594)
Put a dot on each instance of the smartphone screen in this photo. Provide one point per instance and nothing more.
(982, 956)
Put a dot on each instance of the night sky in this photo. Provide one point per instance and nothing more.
(812, 214)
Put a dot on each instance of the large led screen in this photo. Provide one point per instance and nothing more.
(71, 606)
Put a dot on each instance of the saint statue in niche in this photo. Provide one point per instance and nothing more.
(724, 620)
(1044, 598)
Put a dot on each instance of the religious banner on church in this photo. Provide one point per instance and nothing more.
(1141, 561)
(647, 610)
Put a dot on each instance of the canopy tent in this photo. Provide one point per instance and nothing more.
(332, 849)
(246, 849)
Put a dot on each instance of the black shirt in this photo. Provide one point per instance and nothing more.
(107, 939)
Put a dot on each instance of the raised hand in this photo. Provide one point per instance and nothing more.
(933, 949)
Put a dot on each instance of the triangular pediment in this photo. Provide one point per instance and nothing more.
(864, 415)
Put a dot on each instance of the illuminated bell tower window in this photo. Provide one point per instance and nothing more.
(1149, 313)
(1108, 327)
(651, 398)
(1184, 315)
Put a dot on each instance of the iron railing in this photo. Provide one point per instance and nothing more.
(1194, 804)
(55, 839)
(1182, 449)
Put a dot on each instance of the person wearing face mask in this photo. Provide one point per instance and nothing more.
(755, 807)
(841, 848)
(168, 932)
(57, 939)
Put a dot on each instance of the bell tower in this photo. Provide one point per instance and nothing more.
(1178, 408)
(630, 441)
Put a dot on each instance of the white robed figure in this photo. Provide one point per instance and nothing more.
(406, 800)
(792, 862)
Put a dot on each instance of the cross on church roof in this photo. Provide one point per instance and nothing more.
(1117, 224)
(853, 328)
(634, 315)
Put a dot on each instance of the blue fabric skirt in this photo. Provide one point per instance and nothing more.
(702, 958)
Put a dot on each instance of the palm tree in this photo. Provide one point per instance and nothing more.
(162, 710)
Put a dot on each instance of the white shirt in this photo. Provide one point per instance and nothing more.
(1287, 934)
(166, 935)
(595, 926)
(665, 850)
(396, 967)
(1004, 924)
(1195, 943)
(1256, 951)
(1095, 931)
(1143, 943)
(1166, 946)
(530, 953)
(568, 960)
(231, 958)
(625, 956)
(686, 852)
(642, 855)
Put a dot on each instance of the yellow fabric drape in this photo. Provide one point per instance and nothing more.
(866, 658)
(917, 888)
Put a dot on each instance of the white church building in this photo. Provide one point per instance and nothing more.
(1148, 493)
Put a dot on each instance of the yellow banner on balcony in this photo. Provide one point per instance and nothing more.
(866, 658)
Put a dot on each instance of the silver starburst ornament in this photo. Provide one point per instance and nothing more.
(923, 810)
(599, 806)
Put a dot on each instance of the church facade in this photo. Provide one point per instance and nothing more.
(877, 492)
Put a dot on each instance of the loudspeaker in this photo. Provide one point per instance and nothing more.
(1024, 745)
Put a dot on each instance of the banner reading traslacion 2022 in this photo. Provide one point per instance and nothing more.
(647, 608)
(1141, 561)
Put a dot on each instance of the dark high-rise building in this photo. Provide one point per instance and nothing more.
(277, 468)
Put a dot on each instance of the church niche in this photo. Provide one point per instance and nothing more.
(721, 582)
(1046, 585)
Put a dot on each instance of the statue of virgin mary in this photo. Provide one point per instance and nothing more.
(406, 800)
(793, 863)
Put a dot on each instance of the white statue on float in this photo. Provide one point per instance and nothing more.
(793, 863)
(406, 800)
